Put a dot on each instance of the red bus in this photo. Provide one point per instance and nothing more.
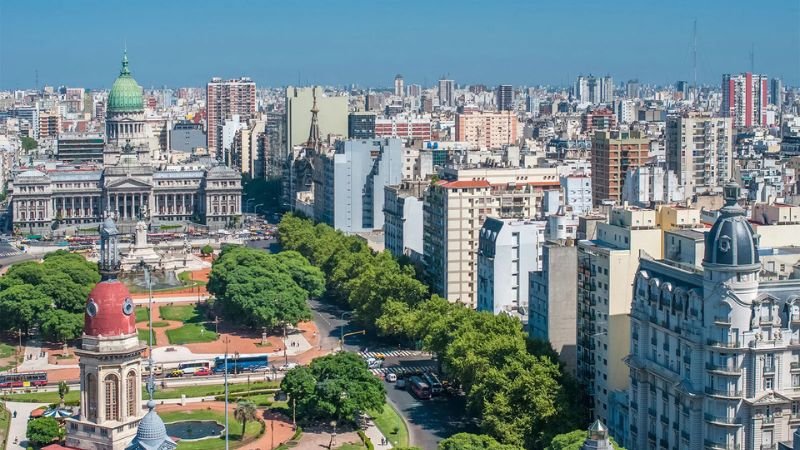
(419, 388)
(25, 379)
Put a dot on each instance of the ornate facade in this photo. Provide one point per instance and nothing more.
(131, 184)
(715, 351)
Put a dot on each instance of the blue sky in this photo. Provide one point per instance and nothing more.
(182, 43)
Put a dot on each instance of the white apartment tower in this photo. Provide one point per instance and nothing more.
(699, 150)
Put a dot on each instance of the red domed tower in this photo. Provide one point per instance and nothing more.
(110, 360)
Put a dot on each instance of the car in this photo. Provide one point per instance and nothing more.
(374, 363)
(203, 372)
(391, 377)
(288, 366)
(400, 384)
(177, 373)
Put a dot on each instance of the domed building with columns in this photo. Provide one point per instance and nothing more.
(715, 350)
(132, 182)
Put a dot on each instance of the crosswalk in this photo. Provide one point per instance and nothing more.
(391, 353)
(402, 370)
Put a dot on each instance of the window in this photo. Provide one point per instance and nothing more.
(130, 386)
(768, 383)
(111, 387)
(91, 396)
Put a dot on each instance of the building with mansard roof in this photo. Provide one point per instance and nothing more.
(715, 349)
(131, 183)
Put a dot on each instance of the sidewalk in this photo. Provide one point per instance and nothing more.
(19, 426)
(39, 363)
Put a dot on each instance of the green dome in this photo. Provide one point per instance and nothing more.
(125, 95)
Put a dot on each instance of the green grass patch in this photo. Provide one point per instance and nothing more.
(349, 446)
(181, 313)
(170, 227)
(191, 333)
(160, 324)
(186, 279)
(142, 314)
(43, 397)
(5, 422)
(143, 336)
(209, 390)
(6, 350)
(387, 421)
(252, 430)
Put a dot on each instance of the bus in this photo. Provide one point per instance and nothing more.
(433, 381)
(419, 388)
(190, 367)
(25, 379)
(241, 364)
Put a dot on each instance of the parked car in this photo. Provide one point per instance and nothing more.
(204, 372)
(391, 377)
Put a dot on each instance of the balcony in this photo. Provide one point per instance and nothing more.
(728, 393)
(794, 365)
(719, 445)
(651, 412)
(664, 419)
(722, 320)
(769, 368)
(732, 421)
(725, 370)
(718, 344)
(634, 405)
(767, 420)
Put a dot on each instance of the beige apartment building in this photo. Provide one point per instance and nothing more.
(606, 269)
(487, 129)
(699, 150)
(247, 150)
(454, 210)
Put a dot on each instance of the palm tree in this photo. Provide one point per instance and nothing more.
(244, 412)
(63, 390)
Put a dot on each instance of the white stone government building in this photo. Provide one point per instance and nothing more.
(130, 183)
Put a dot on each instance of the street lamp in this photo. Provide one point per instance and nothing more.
(341, 328)
(333, 435)
(248, 202)
(255, 210)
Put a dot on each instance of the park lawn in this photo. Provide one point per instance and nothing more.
(7, 351)
(252, 430)
(43, 397)
(160, 324)
(190, 334)
(142, 314)
(5, 422)
(208, 390)
(143, 335)
(387, 420)
(186, 279)
(182, 313)
(350, 446)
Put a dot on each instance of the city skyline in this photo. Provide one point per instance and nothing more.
(323, 43)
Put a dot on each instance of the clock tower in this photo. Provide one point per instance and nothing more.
(110, 360)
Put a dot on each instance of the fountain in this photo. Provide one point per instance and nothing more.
(194, 430)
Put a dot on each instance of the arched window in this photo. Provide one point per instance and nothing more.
(111, 386)
(91, 396)
(130, 386)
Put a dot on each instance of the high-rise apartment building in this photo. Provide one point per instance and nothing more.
(414, 90)
(224, 99)
(613, 153)
(487, 129)
(714, 360)
(349, 184)
(594, 90)
(505, 97)
(447, 93)
(633, 89)
(248, 154)
(454, 211)
(399, 87)
(776, 92)
(744, 98)
(361, 125)
(403, 214)
(699, 150)
(606, 269)
(598, 119)
(552, 300)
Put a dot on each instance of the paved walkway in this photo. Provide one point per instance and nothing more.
(19, 425)
(38, 360)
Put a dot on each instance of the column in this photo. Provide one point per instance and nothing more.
(141, 203)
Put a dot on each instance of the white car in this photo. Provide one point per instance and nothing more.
(287, 367)
(391, 377)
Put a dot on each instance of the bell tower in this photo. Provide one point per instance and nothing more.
(110, 360)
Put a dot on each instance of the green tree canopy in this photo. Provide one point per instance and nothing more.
(469, 441)
(245, 412)
(61, 326)
(22, 307)
(337, 386)
(573, 441)
(206, 250)
(28, 143)
(43, 431)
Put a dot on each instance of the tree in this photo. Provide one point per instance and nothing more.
(43, 431)
(206, 250)
(245, 411)
(21, 307)
(61, 326)
(63, 390)
(469, 441)
(337, 386)
(573, 441)
(28, 143)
